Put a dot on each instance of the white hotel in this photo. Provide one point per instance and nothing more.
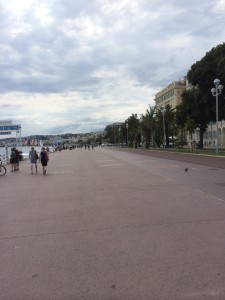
(172, 95)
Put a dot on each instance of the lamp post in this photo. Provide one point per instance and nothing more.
(141, 139)
(119, 135)
(152, 129)
(163, 111)
(127, 133)
(216, 92)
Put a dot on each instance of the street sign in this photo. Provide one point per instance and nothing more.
(7, 128)
(10, 127)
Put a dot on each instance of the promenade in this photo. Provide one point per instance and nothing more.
(104, 224)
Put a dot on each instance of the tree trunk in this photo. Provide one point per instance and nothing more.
(202, 130)
(167, 136)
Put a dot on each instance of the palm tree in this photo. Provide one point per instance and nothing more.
(169, 119)
(134, 130)
(148, 125)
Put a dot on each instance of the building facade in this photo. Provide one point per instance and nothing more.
(172, 95)
(209, 137)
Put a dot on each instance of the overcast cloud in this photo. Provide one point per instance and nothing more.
(78, 65)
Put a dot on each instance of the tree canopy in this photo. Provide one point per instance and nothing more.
(202, 75)
(198, 104)
(197, 108)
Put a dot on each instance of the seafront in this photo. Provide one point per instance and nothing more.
(105, 224)
(25, 151)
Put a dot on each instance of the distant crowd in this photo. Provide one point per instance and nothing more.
(62, 147)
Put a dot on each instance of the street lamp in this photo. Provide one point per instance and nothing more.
(127, 133)
(152, 129)
(163, 111)
(216, 92)
(119, 135)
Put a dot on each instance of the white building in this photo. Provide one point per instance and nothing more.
(172, 95)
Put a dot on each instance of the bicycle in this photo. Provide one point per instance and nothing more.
(2, 168)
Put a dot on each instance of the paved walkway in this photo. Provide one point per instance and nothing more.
(200, 159)
(105, 224)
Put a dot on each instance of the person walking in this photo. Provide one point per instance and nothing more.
(13, 160)
(17, 159)
(44, 159)
(33, 155)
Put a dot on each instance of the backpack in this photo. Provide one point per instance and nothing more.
(46, 156)
(36, 155)
(13, 155)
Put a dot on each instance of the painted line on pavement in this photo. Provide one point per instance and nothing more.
(111, 165)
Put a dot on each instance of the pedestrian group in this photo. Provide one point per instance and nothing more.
(43, 158)
(34, 157)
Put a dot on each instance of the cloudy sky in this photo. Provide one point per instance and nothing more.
(78, 65)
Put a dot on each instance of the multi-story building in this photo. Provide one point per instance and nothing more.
(172, 95)
(209, 137)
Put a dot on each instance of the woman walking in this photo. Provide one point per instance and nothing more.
(44, 159)
(13, 160)
(33, 155)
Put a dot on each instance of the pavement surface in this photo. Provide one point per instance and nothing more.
(200, 159)
(104, 224)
